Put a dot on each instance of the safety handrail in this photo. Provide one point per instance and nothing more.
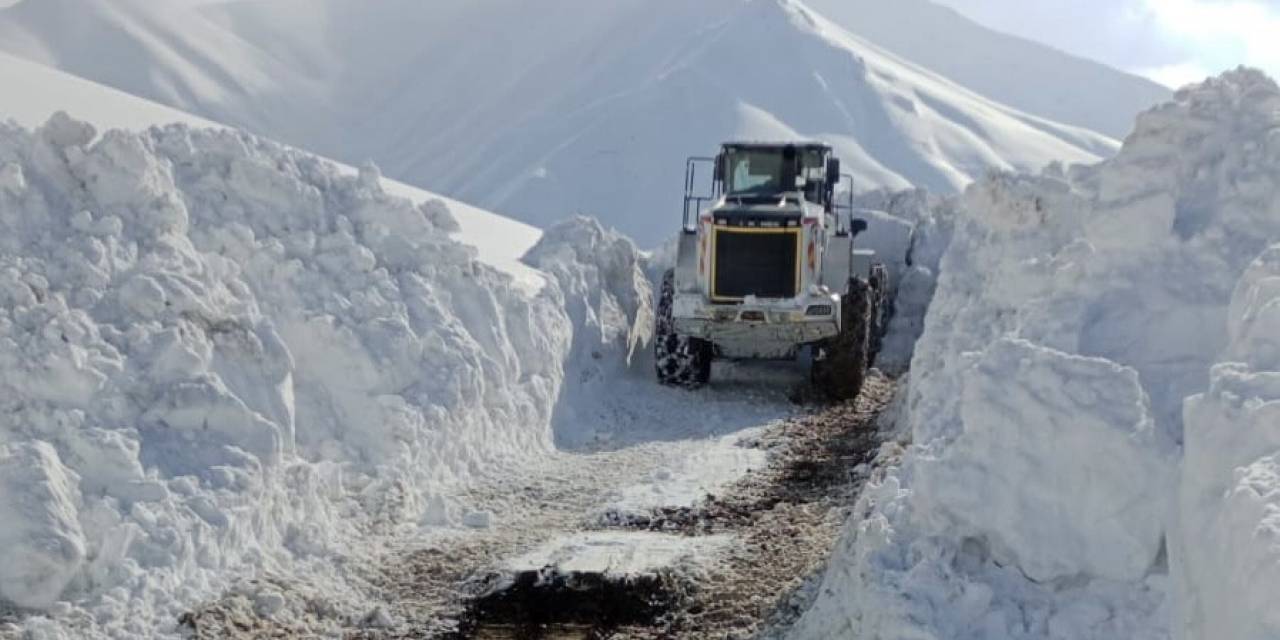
(693, 200)
(847, 219)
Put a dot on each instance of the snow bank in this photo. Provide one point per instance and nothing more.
(1075, 311)
(602, 275)
(889, 580)
(608, 296)
(909, 231)
(1034, 413)
(608, 398)
(219, 353)
(1230, 493)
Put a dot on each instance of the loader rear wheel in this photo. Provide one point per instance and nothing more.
(681, 361)
(881, 311)
(840, 363)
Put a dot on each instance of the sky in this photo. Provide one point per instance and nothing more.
(1173, 42)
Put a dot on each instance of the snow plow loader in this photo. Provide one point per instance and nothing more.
(768, 267)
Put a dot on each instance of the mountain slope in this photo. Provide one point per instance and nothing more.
(1021, 73)
(597, 120)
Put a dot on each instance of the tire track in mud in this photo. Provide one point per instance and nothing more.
(784, 519)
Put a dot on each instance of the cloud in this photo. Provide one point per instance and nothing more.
(1170, 41)
(1176, 76)
(1215, 35)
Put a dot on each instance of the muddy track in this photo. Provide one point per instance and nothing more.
(784, 520)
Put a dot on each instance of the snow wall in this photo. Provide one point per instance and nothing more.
(1092, 442)
(217, 353)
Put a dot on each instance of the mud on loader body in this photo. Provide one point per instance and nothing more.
(767, 267)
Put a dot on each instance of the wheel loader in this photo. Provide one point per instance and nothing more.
(768, 267)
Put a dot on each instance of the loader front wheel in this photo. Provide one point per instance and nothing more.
(681, 361)
(840, 363)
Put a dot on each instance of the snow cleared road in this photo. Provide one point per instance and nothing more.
(739, 556)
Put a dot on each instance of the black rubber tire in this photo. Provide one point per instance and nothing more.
(881, 311)
(840, 363)
(681, 361)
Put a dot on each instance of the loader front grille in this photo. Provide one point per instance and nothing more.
(754, 262)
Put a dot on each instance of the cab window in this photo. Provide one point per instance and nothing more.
(754, 172)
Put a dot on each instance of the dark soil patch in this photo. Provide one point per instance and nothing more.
(547, 604)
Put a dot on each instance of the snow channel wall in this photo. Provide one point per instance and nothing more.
(1092, 402)
(217, 352)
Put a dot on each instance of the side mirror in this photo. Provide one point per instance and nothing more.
(857, 226)
(719, 170)
(833, 172)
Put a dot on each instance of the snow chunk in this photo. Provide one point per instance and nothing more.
(1254, 314)
(1059, 464)
(39, 528)
(1229, 547)
(12, 181)
(63, 131)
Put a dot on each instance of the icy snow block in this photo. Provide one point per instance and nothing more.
(1253, 318)
(41, 544)
(1227, 565)
(1059, 465)
(1227, 559)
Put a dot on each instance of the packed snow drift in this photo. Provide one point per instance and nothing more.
(1091, 408)
(219, 353)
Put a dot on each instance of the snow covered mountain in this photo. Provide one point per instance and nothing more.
(1023, 74)
(596, 120)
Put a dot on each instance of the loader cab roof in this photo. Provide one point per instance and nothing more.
(760, 145)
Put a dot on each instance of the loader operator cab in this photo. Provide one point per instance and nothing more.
(766, 170)
(751, 173)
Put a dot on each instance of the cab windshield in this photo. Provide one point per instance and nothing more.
(760, 172)
(755, 172)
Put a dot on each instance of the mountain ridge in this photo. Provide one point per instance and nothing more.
(638, 86)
